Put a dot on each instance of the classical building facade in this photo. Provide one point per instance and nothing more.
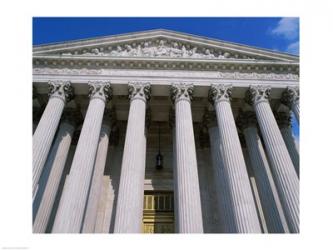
(160, 131)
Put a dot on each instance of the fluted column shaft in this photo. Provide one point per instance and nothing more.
(291, 146)
(174, 167)
(97, 179)
(131, 187)
(224, 201)
(56, 162)
(189, 212)
(244, 208)
(72, 205)
(282, 167)
(274, 216)
(60, 93)
(284, 121)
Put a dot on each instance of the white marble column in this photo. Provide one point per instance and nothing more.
(56, 163)
(97, 179)
(59, 93)
(274, 216)
(290, 98)
(232, 160)
(284, 121)
(70, 214)
(131, 187)
(174, 167)
(188, 208)
(285, 176)
(223, 192)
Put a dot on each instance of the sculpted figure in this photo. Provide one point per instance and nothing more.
(116, 52)
(139, 50)
(146, 51)
(220, 56)
(226, 55)
(129, 50)
(175, 51)
(95, 51)
(185, 53)
(208, 54)
(162, 50)
(193, 53)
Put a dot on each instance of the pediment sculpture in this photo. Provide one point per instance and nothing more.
(159, 48)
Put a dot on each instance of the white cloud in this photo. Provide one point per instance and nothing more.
(287, 27)
(293, 48)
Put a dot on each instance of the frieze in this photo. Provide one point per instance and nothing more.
(158, 48)
(223, 75)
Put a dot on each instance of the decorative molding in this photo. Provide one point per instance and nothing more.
(159, 48)
(139, 90)
(181, 91)
(290, 96)
(227, 70)
(219, 92)
(100, 90)
(258, 93)
(61, 89)
(258, 76)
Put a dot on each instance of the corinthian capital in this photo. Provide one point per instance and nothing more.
(246, 119)
(61, 89)
(181, 91)
(100, 90)
(258, 93)
(219, 92)
(139, 90)
(290, 96)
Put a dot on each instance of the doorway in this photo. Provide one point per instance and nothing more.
(158, 212)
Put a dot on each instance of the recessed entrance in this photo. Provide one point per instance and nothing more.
(158, 212)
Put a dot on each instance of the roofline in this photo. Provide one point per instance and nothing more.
(166, 32)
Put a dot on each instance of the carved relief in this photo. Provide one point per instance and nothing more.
(258, 76)
(223, 75)
(158, 48)
(219, 92)
(256, 94)
(101, 90)
(62, 90)
(181, 91)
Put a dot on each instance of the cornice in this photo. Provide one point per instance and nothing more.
(96, 62)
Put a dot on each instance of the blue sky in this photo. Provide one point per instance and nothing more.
(280, 34)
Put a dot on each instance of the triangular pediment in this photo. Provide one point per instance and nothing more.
(159, 44)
